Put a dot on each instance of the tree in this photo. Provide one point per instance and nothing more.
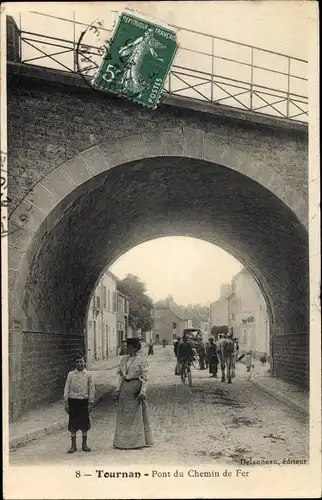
(141, 305)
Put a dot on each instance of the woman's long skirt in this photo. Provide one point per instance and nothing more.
(213, 366)
(132, 423)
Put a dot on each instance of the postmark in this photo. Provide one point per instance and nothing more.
(134, 61)
(91, 47)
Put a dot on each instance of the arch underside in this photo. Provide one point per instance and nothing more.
(145, 199)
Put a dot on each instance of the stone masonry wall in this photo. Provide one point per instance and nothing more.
(49, 123)
(55, 358)
(291, 355)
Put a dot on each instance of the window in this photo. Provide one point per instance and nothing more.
(106, 340)
(114, 301)
(174, 325)
(109, 300)
(98, 302)
(95, 342)
(120, 304)
(104, 297)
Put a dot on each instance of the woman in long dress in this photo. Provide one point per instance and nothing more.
(212, 358)
(132, 424)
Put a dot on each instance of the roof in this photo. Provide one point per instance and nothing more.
(161, 304)
(123, 295)
(174, 308)
(113, 276)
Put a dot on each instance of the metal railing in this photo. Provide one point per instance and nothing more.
(255, 79)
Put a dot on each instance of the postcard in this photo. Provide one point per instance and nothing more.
(160, 233)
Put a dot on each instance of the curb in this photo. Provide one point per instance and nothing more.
(27, 438)
(295, 405)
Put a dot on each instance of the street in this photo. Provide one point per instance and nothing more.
(210, 422)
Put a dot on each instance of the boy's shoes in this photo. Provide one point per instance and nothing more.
(73, 447)
(84, 444)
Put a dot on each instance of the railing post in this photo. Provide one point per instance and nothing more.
(288, 87)
(212, 69)
(251, 77)
(13, 40)
(74, 44)
(20, 37)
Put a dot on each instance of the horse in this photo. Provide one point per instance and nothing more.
(226, 356)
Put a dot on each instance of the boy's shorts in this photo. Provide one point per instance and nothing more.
(78, 415)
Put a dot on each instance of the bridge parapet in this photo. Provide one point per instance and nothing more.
(259, 80)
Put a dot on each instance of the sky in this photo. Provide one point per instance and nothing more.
(189, 269)
(281, 26)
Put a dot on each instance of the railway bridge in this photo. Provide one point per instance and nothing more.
(92, 175)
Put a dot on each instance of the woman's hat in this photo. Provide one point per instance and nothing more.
(134, 342)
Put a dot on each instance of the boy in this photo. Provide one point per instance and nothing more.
(79, 399)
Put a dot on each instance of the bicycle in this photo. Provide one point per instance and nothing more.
(185, 372)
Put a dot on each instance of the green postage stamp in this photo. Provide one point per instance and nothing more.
(137, 60)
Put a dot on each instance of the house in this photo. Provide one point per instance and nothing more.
(107, 321)
(169, 320)
(124, 331)
(247, 314)
(101, 321)
(219, 308)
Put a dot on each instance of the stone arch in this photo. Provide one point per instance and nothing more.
(70, 181)
(190, 143)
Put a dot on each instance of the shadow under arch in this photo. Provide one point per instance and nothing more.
(165, 196)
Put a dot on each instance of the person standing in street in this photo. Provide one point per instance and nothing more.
(176, 348)
(202, 355)
(79, 396)
(206, 358)
(248, 360)
(132, 423)
(150, 350)
(212, 358)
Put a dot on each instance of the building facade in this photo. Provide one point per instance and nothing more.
(101, 321)
(169, 321)
(247, 315)
(219, 308)
(123, 329)
(107, 321)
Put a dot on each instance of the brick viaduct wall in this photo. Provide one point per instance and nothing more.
(63, 139)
